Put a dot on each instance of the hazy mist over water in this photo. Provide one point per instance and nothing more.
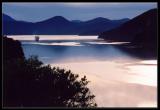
(118, 78)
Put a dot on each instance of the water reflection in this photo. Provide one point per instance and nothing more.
(117, 83)
(120, 76)
(62, 52)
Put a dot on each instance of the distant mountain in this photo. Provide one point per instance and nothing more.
(130, 29)
(14, 27)
(99, 25)
(122, 20)
(55, 25)
(76, 21)
(7, 18)
(141, 31)
(56, 19)
(59, 25)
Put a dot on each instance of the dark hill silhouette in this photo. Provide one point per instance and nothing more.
(59, 25)
(100, 24)
(141, 31)
(128, 30)
(96, 25)
(76, 21)
(11, 26)
(122, 20)
(55, 25)
(54, 20)
(7, 18)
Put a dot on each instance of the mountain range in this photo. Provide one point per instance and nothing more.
(141, 31)
(59, 25)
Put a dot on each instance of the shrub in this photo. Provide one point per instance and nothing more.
(29, 83)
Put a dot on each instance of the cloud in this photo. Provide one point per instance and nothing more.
(110, 4)
(26, 4)
(37, 11)
(89, 4)
(79, 4)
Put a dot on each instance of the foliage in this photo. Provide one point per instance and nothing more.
(11, 49)
(29, 83)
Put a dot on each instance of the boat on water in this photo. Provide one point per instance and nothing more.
(37, 38)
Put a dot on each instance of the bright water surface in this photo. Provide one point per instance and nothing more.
(120, 76)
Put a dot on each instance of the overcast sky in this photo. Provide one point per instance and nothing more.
(34, 12)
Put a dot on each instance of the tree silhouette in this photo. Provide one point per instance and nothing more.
(30, 83)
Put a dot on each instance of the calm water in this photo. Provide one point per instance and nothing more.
(53, 49)
(120, 76)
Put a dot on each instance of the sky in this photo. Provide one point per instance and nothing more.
(34, 12)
